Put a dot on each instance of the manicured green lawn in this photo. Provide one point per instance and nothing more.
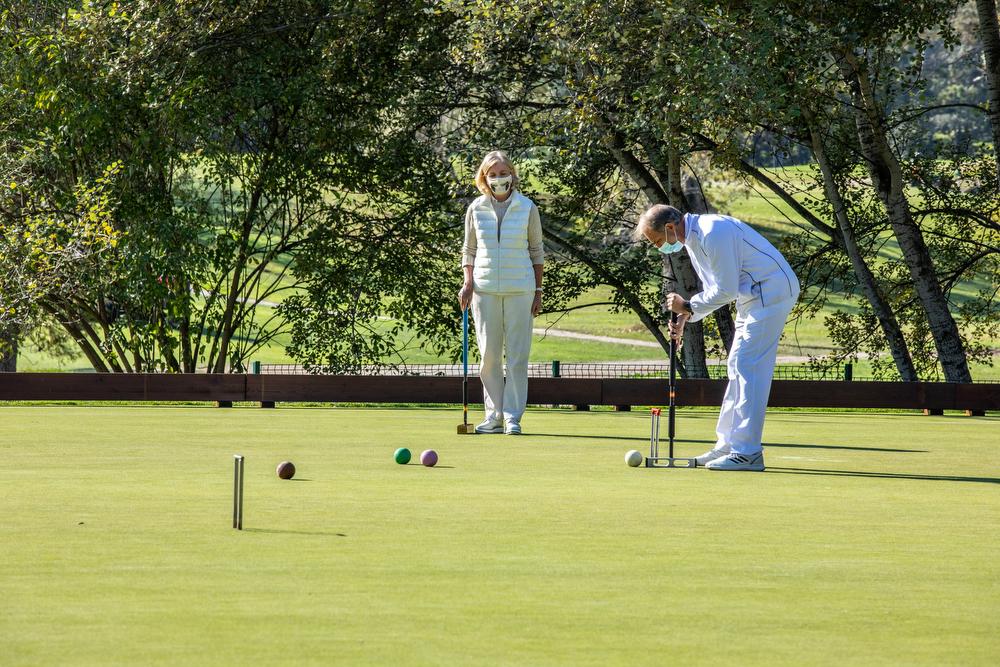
(872, 539)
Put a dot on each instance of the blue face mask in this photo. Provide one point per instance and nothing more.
(670, 248)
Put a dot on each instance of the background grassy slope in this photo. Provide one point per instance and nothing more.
(770, 215)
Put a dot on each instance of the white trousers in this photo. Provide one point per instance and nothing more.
(750, 369)
(503, 325)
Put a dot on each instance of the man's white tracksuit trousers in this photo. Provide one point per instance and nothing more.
(750, 369)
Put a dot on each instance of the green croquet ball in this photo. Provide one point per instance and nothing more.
(633, 458)
(402, 456)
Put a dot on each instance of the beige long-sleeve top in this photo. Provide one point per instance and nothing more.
(536, 248)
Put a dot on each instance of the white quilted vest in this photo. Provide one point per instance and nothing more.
(502, 265)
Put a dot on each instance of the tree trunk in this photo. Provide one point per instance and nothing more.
(679, 277)
(635, 169)
(989, 35)
(229, 323)
(8, 353)
(678, 274)
(683, 279)
(869, 285)
(187, 358)
(686, 195)
(609, 279)
(887, 176)
(698, 203)
(95, 359)
(769, 183)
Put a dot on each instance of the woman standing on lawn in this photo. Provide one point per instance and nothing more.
(502, 260)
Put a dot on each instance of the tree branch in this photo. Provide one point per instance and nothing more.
(764, 179)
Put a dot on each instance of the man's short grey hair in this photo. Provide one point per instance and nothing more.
(656, 218)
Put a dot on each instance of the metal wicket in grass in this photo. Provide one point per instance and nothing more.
(654, 460)
(237, 492)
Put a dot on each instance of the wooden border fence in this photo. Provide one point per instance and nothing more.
(224, 389)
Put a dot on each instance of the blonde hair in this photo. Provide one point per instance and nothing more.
(492, 158)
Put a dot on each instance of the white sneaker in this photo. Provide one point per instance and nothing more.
(490, 426)
(734, 461)
(718, 452)
(512, 428)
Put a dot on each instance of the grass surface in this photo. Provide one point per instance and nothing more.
(870, 540)
(543, 349)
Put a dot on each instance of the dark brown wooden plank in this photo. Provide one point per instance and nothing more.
(195, 387)
(362, 389)
(819, 394)
(889, 395)
(569, 391)
(121, 387)
(541, 391)
(409, 389)
(621, 391)
(71, 386)
(977, 397)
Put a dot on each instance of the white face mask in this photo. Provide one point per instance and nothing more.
(499, 185)
(670, 248)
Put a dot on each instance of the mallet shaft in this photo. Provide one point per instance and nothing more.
(673, 386)
(465, 366)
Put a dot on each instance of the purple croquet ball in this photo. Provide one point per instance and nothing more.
(429, 458)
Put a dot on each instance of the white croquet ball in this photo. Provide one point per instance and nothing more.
(634, 458)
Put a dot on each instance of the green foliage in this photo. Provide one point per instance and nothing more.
(193, 159)
(243, 130)
(794, 56)
(49, 254)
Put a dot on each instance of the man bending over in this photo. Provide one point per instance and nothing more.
(734, 263)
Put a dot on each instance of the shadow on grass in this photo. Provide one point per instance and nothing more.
(629, 438)
(881, 475)
(663, 438)
(420, 466)
(277, 531)
(857, 449)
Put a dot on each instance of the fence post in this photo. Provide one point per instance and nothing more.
(255, 369)
(555, 374)
(226, 404)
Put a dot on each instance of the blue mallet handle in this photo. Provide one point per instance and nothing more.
(465, 366)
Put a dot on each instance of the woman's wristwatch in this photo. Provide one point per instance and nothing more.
(687, 308)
